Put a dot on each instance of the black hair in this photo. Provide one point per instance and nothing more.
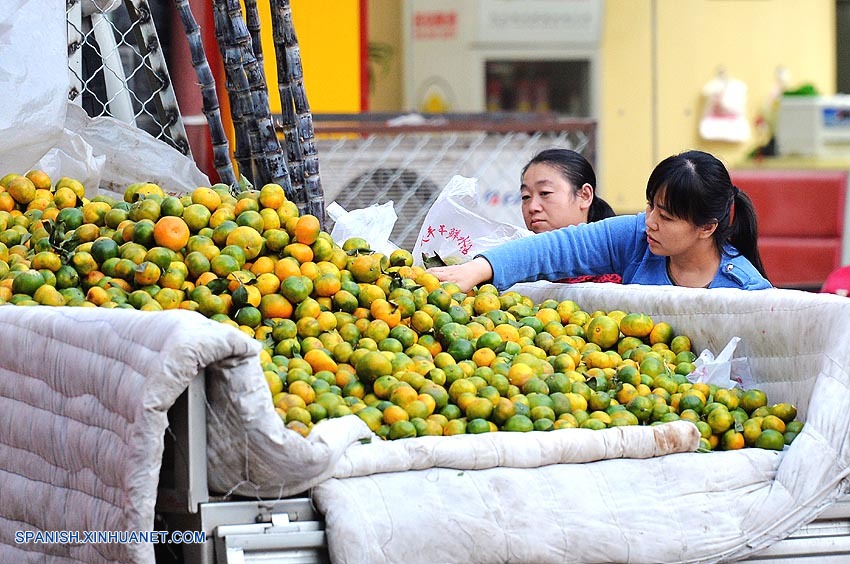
(578, 171)
(697, 188)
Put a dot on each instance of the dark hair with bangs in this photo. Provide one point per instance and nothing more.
(696, 187)
(577, 171)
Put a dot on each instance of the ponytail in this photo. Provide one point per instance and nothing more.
(742, 231)
(599, 209)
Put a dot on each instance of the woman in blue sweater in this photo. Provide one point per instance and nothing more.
(698, 231)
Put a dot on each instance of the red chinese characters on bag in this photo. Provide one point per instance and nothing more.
(464, 242)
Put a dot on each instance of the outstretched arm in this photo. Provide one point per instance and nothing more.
(466, 275)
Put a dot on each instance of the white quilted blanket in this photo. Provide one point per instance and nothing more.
(84, 395)
(685, 507)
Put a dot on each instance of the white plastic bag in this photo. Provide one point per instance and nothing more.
(723, 370)
(454, 228)
(108, 154)
(44, 130)
(34, 78)
(724, 115)
(374, 224)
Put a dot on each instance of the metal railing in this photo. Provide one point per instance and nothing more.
(370, 159)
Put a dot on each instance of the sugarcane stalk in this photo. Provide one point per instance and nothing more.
(297, 120)
(271, 163)
(236, 83)
(252, 19)
(282, 30)
(268, 163)
(211, 107)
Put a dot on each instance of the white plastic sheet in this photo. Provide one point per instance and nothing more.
(34, 80)
(40, 128)
(84, 394)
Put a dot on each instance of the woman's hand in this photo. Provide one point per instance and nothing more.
(466, 275)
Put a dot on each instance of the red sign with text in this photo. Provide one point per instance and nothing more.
(435, 25)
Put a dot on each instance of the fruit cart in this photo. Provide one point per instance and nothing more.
(120, 421)
(499, 497)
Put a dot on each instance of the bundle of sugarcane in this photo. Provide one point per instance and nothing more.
(229, 26)
(267, 156)
(211, 108)
(257, 150)
(302, 157)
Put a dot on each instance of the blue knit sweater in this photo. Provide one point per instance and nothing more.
(617, 244)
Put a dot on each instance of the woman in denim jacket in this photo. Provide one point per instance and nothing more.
(698, 231)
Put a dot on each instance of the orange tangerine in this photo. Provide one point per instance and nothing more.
(320, 360)
(310, 270)
(307, 229)
(94, 212)
(7, 202)
(251, 219)
(275, 306)
(299, 251)
(147, 273)
(603, 331)
(323, 248)
(248, 239)
(206, 197)
(65, 198)
(270, 219)
(276, 239)
(222, 214)
(403, 394)
(286, 267)
(386, 311)
(303, 390)
(21, 189)
(205, 278)
(661, 333)
(244, 204)
(394, 413)
(507, 332)
(196, 216)
(171, 232)
(272, 196)
(327, 285)
(637, 325)
(263, 265)
(39, 178)
(97, 295)
(428, 281)
(287, 209)
(327, 321)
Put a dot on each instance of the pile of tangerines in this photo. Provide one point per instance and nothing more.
(346, 330)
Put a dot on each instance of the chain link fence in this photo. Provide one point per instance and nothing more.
(367, 160)
(117, 65)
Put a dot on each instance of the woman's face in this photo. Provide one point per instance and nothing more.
(670, 236)
(549, 201)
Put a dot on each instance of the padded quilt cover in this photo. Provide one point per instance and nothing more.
(683, 507)
(84, 395)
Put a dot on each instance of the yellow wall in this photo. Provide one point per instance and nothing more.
(385, 34)
(644, 119)
(656, 56)
(328, 35)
